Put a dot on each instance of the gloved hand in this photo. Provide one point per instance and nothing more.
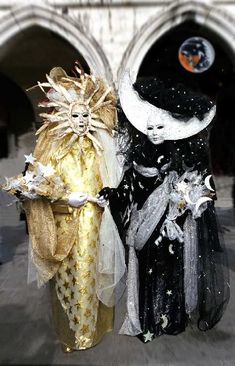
(77, 199)
(101, 201)
(103, 196)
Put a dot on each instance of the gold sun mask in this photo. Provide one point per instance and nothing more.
(81, 106)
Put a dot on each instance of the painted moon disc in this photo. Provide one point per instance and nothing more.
(196, 54)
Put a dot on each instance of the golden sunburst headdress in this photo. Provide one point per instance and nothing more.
(81, 105)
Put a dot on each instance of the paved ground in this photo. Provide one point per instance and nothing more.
(27, 335)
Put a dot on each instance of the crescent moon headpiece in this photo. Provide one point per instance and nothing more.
(142, 114)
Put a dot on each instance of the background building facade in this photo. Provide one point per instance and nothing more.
(107, 36)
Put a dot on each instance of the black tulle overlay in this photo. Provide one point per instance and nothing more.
(162, 266)
(213, 276)
(161, 271)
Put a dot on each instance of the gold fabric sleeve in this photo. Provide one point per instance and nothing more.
(48, 249)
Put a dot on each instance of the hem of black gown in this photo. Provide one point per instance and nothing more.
(141, 336)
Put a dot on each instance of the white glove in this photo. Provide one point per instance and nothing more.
(101, 201)
(77, 199)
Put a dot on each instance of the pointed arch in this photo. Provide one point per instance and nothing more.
(23, 17)
(201, 12)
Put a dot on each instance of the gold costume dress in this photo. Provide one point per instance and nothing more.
(80, 318)
(75, 282)
(72, 157)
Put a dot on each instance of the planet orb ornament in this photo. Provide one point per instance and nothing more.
(196, 54)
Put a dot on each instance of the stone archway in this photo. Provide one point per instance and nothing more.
(220, 24)
(200, 12)
(21, 18)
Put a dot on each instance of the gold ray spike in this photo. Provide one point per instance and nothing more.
(85, 84)
(63, 104)
(61, 125)
(71, 141)
(95, 116)
(95, 142)
(66, 94)
(61, 112)
(48, 104)
(53, 84)
(66, 132)
(42, 128)
(93, 93)
(102, 98)
(79, 85)
(78, 70)
(51, 117)
(101, 105)
(39, 85)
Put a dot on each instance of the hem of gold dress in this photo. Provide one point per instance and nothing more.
(68, 349)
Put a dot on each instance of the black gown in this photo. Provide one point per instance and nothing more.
(161, 271)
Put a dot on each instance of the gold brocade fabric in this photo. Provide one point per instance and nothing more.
(76, 277)
(69, 253)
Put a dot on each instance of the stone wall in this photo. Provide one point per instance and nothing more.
(111, 24)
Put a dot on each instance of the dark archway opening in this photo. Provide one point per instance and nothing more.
(28, 56)
(16, 114)
(218, 82)
(162, 60)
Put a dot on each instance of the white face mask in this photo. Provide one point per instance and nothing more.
(80, 118)
(155, 132)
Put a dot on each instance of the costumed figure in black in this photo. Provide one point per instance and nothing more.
(164, 210)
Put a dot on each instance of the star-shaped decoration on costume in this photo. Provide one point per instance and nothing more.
(83, 290)
(74, 281)
(28, 177)
(90, 259)
(85, 329)
(148, 336)
(78, 266)
(66, 284)
(125, 186)
(68, 271)
(45, 170)
(182, 187)
(66, 299)
(76, 319)
(87, 274)
(87, 313)
(29, 159)
(90, 298)
(31, 187)
(169, 292)
(150, 271)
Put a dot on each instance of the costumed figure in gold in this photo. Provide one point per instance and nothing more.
(74, 241)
